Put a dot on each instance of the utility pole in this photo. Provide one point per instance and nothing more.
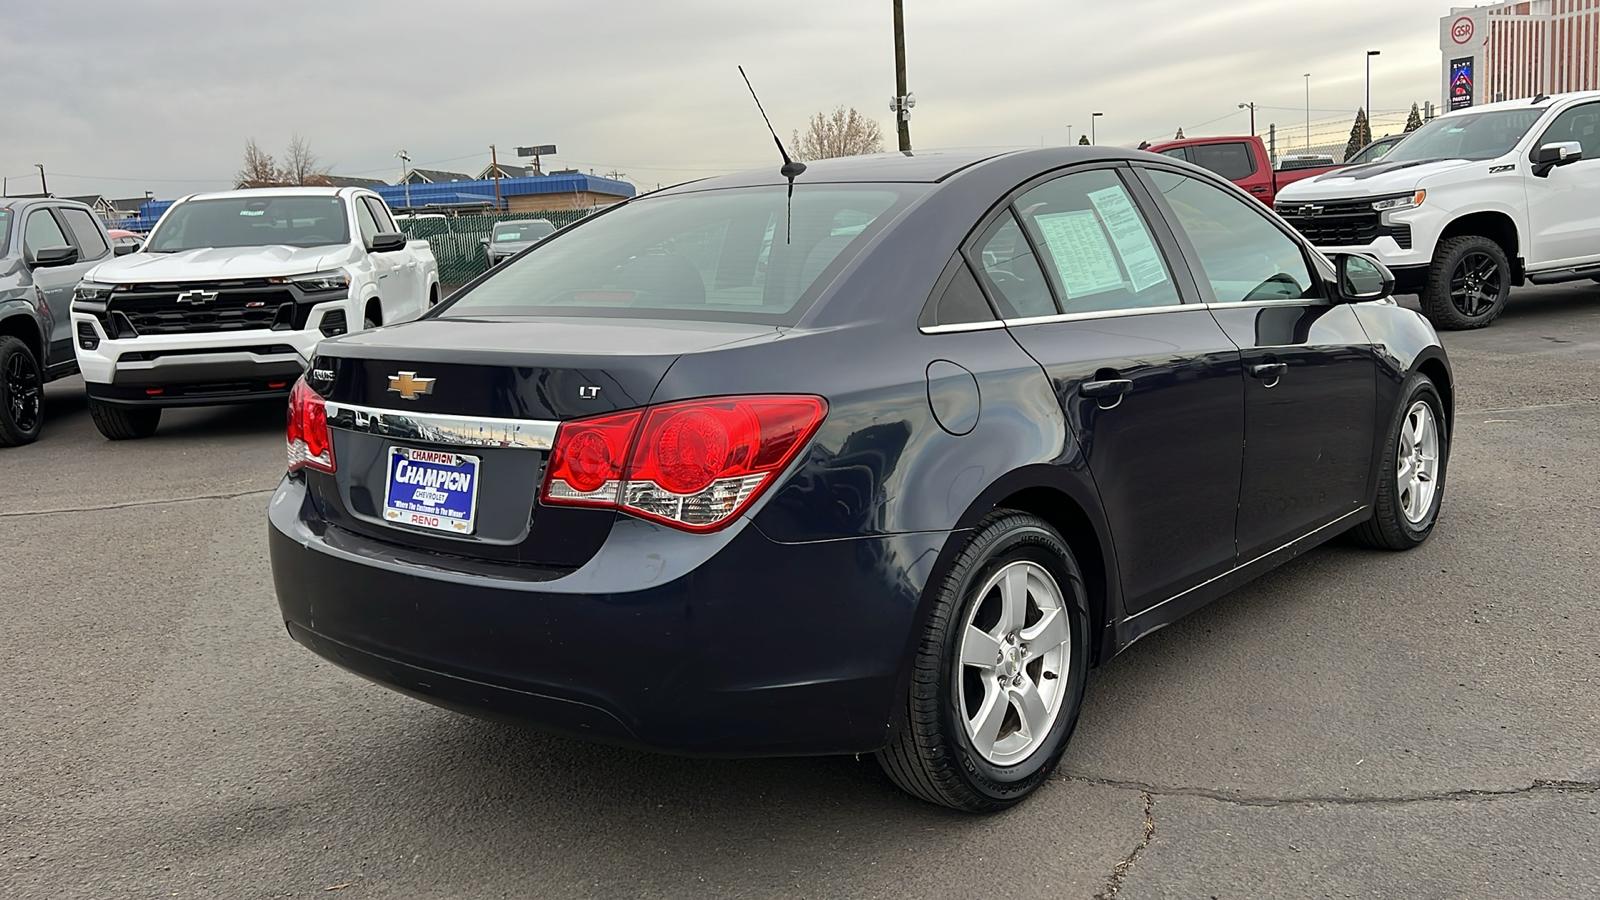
(1367, 138)
(1069, 135)
(45, 188)
(1272, 140)
(405, 174)
(903, 125)
(1252, 108)
(494, 166)
(1092, 136)
(1308, 112)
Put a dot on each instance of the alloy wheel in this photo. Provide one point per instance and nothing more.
(1475, 284)
(1015, 649)
(1417, 462)
(23, 392)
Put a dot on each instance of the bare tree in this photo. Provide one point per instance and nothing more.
(840, 133)
(260, 169)
(300, 164)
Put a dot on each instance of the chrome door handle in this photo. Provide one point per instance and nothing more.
(1271, 371)
(1110, 388)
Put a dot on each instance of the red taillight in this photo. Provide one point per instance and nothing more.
(310, 445)
(693, 465)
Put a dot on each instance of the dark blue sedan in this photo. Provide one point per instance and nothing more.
(880, 461)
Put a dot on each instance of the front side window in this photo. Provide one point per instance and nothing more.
(90, 242)
(42, 233)
(1581, 124)
(1012, 274)
(1097, 249)
(740, 255)
(1485, 135)
(5, 231)
(380, 214)
(367, 224)
(1231, 161)
(252, 221)
(1245, 256)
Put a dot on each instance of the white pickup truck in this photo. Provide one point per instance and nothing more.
(1469, 205)
(228, 298)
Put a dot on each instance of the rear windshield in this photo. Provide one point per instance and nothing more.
(251, 222)
(738, 255)
(521, 231)
(1483, 135)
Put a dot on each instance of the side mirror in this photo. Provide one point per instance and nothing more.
(388, 241)
(1362, 278)
(484, 241)
(125, 249)
(1559, 153)
(55, 256)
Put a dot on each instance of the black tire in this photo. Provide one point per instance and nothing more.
(1390, 528)
(433, 296)
(373, 316)
(21, 394)
(124, 423)
(1467, 283)
(931, 756)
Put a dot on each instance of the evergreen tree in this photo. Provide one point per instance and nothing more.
(1413, 121)
(1083, 139)
(1179, 135)
(1360, 135)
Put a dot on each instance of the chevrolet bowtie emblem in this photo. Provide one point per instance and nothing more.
(409, 386)
(196, 297)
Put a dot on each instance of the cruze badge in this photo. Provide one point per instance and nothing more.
(588, 392)
(198, 298)
(1311, 210)
(409, 386)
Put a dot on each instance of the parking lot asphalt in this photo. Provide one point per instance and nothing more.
(1355, 724)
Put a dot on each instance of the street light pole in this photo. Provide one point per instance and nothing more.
(1368, 135)
(903, 117)
(1252, 108)
(1093, 137)
(1069, 135)
(405, 174)
(1308, 112)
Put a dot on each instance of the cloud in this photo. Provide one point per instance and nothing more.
(161, 95)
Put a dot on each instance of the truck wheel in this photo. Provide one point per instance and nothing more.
(373, 317)
(1467, 283)
(433, 296)
(21, 394)
(122, 423)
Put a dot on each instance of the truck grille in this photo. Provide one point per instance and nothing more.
(197, 307)
(1341, 223)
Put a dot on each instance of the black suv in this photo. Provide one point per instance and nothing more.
(46, 246)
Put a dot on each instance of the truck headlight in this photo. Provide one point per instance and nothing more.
(1409, 201)
(92, 291)
(317, 282)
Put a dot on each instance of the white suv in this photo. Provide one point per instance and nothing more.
(227, 300)
(1469, 205)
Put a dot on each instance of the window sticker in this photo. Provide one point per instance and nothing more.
(1133, 242)
(1083, 256)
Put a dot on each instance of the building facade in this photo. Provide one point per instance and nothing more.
(1519, 49)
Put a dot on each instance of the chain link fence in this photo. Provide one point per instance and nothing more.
(458, 241)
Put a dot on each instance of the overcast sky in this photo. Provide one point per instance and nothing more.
(117, 98)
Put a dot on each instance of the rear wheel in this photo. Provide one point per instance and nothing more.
(998, 679)
(1411, 480)
(1467, 283)
(123, 423)
(21, 394)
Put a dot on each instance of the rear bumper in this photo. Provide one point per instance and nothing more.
(727, 644)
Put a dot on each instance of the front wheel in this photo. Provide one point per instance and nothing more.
(1467, 283)
(124, 423)
(1411, 480)
(21, 394)
(999, 676)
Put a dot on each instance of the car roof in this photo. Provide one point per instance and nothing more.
(1526, 103)
(275, 192)
(926, 167)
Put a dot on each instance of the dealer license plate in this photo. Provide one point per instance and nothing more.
(432, 489)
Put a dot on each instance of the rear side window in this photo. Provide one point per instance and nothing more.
(1097, 248)
(1012, 274)
(740, 255)
(1177, 153)
(1245, 257)
(1231, 161)
(957, 299)
(91, 243)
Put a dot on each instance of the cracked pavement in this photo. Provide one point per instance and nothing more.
(1355, 724)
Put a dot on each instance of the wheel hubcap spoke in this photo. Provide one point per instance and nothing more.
(1417, 462)
(980, 648)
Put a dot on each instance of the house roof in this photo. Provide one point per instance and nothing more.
(435, 176)
(88, 199)
(353, 181)
(130, 205)
(506, 171)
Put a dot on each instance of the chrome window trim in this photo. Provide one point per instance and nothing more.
(1119, 313)
(962, 326)
(438, 428)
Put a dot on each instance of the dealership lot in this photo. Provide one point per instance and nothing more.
(1352, 723)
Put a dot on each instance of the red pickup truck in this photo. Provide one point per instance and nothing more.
(1241, 160)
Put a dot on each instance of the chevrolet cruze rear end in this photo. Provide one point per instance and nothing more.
(748, 467)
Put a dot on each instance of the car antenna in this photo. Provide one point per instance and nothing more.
(790, 169)
(1539, 98)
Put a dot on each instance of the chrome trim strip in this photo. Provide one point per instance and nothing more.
(962, 326)
(1117, 314)
(437, 428)
(1307, 536)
